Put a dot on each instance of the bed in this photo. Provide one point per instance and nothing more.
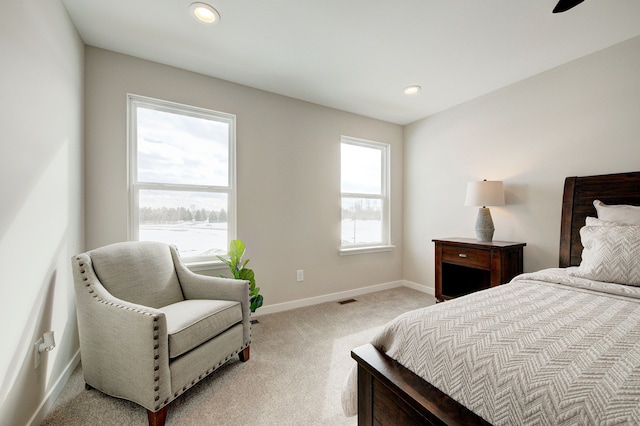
(553, 347)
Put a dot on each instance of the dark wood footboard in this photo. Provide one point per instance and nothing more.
(390, 394)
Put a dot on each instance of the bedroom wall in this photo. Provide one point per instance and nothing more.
(288, 174)
(577, 119)
(41, 221)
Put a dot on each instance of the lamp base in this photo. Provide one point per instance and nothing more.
(484, 225)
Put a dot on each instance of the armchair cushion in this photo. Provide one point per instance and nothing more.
(192, 322)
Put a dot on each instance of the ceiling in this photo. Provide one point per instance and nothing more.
(358, 55)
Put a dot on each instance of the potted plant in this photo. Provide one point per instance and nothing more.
(240, 271)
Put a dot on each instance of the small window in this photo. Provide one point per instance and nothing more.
(182, 177)
(365, 194)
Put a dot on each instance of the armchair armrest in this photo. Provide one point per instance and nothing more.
(196, 286)
(107, 325)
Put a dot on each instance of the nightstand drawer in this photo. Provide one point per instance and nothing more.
(467, 256)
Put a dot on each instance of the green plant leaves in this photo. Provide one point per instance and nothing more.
(241, 272)
(247, 274)
(236, 250)
(256, 302)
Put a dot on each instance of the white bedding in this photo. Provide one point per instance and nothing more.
(547, 348)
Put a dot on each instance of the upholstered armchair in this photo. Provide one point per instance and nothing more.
(150, 328)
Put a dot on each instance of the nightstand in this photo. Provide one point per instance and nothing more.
(464, 265)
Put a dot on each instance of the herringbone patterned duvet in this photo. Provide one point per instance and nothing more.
(546, 349)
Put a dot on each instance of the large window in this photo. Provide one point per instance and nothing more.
(365, 194)
(182, 177)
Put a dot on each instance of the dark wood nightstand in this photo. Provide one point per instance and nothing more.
(464, 265)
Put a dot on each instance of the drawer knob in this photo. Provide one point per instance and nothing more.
(462, 255)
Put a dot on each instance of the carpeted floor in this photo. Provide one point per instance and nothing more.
(299, 362)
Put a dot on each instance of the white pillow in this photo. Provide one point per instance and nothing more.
(622, 213)
(592, 221)
(611, 254)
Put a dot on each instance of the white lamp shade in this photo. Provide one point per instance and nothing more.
(485, 193)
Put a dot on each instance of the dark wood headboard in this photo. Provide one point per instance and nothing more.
(577, 204)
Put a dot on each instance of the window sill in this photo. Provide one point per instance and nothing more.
(206, 266)
(363, 250)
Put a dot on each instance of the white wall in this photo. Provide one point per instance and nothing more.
(288, 161)
(41, 222)
(582, 118)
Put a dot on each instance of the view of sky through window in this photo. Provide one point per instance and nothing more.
(360, 169)
(176, 148)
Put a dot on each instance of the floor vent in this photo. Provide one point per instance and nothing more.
(344, 302)
(254, 321)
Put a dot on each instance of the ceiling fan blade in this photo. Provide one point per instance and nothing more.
(564, 5)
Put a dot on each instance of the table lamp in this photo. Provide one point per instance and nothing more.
(485, 193)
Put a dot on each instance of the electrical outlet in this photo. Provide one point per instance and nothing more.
(300, 275)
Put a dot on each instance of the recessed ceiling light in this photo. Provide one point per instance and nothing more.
(204, 13)
(412, 90)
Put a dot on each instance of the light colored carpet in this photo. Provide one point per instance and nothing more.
(299, 363)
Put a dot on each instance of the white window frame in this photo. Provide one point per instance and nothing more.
(133, 101)
(384, 196)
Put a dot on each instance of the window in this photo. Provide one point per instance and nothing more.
(182, 177)
(365, 194)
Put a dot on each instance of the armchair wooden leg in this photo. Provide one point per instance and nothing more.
(157, 418)
(244, 355)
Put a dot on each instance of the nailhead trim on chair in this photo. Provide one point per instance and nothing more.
(156, 357)
(209, 371)
(156, 347)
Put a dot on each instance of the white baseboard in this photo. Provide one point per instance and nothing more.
(419, 287)
(333, 297)
(51, 396)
